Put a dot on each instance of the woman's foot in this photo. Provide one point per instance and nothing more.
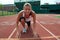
(24, 30)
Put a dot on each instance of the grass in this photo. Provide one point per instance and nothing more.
(57, 16)
(6, 13)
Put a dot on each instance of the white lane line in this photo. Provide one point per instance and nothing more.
(11, 33)
(48, 30)
(7, 23)
(41, 26)
(46, 22)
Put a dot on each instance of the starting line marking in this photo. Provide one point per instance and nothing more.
(47, 37)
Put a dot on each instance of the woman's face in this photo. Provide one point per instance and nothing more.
(27, 9)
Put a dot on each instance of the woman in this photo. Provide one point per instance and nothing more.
(25, 15)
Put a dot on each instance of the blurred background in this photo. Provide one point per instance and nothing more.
(12, 7)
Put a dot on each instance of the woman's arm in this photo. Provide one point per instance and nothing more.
(18, 17)
(17, 22)
(34, 23)
(34, 18)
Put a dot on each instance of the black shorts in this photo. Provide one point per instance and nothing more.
(28, 22)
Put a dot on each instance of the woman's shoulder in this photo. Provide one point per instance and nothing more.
(32, 11)
(21, 11)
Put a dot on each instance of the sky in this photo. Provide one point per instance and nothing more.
(42, 1)
(49, 1)
(6, 1)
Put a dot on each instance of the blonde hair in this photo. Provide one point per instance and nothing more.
(27, 4)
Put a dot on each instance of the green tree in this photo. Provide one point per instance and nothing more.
(0, 6)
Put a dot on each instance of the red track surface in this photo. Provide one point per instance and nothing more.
(52, 24)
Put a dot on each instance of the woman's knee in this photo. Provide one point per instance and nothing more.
(22, 21)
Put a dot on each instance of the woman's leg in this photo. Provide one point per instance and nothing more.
(29, 24)
(23, 24)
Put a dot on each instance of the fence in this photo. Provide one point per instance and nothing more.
(4, 13)
(7, 10)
